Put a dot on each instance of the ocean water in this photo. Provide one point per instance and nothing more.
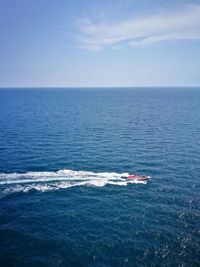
(62, 155)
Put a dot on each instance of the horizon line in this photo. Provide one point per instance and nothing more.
(98, 87)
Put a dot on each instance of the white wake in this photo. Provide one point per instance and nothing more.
(55, 180)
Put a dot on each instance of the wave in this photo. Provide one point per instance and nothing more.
(62, 179)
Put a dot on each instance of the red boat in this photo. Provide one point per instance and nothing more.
(138, 177)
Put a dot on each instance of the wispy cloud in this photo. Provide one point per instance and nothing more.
(182, 24)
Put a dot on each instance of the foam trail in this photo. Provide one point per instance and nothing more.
(61, 173)
(62, 179)
(22, 181)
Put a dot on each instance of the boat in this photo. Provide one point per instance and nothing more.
(138, 177)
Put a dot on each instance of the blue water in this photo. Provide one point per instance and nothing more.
(62, 199)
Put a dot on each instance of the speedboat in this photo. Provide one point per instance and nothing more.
(138, 177)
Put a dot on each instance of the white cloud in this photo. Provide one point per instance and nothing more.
(183, 24)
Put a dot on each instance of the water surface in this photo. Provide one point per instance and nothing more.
(62, 199)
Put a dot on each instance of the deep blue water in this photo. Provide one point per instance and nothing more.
(62, 201)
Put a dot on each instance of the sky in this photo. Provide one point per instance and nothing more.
(99, 43)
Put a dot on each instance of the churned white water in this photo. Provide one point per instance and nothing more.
(62, 179)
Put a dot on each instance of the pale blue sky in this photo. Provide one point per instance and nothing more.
(98, 43)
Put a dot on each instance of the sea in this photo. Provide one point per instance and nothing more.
(63, 155)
